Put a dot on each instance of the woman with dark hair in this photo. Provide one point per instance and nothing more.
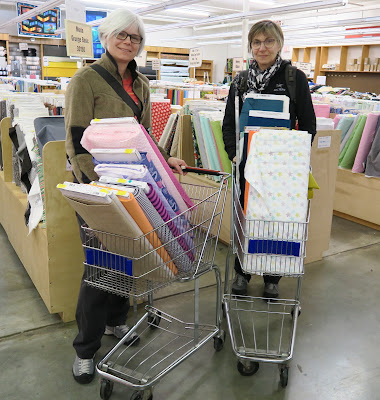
(266, 75)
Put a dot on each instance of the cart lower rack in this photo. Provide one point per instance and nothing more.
(179, 250)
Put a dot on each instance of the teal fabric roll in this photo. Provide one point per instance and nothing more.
(344, 125)
(349, 133)
(353, 144)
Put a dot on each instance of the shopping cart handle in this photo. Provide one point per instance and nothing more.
(202, 171)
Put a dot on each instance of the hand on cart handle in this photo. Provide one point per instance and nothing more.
(204, 171)
(177, 165)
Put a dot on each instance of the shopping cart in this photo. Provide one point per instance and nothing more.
(131, 268)
(262, 329)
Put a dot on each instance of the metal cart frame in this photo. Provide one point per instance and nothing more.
(163, 341)
(262, 329)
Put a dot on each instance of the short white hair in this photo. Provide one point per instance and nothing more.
(118, 21)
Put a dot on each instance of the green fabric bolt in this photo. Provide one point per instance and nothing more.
(352, 145)
(218, 134)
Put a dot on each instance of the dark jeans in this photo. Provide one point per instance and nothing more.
(267, 278)
(96, 309)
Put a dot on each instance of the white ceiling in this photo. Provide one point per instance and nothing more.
(201, 14)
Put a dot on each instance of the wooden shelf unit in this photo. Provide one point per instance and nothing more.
(342, 54)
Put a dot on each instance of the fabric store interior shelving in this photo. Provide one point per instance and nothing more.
(342, 56)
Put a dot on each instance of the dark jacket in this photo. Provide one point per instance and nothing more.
(89, 96)
(302, 110)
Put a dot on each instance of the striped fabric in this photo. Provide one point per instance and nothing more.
(174, 225)
(183, 261)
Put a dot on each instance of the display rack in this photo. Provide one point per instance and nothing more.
(52, 256)
(341, 56)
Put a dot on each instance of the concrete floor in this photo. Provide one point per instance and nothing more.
(336, 353)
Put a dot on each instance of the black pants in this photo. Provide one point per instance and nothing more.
(96, 309)
(267, 278)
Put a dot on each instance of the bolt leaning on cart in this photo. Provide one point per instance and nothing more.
(89, 96)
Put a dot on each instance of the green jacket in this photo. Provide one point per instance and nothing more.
(89, 96)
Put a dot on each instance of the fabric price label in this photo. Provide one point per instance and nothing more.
(195, 57)
(155, 64)
(324, 142)
(23, 46)
(45, 61)
(141, 59)
(237, 64)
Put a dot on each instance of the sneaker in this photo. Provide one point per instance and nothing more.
(83, 370)
(120, 331)
(239, 285)
(270, 290)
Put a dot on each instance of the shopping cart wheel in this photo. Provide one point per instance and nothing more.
(284, 371)
(299, 312)
(106, 388)
(142, 395)
(247, 368)
(219, 340)
(154, 320)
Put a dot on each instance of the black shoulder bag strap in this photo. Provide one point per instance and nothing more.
(112, 81)
(243, 87)
(290, 79)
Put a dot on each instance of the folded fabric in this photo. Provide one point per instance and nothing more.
(126, 133)
(109, 260)
(274, 247)
(322, 110)
(136, 172)
(365, 142)
(348, 158)
(336, 120)
(277, 171)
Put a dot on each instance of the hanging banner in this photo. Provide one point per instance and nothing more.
(79, 40)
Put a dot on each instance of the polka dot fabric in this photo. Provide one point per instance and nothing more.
(160, 115)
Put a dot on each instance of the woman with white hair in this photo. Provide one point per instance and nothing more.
(90, 95)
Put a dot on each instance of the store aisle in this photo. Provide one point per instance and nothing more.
(335, 351)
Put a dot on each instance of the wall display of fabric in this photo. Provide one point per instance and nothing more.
(348, 154)
(161, 112)
(277, 175)
(365, 142)
(125, 132)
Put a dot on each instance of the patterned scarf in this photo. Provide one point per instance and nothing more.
(258, 80)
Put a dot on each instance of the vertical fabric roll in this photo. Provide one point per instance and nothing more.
(218, 134)
(365, 142)
(348, 158)
(336, 120)
(373, 160)
(349, 133)
(344, 125)
(322, 110)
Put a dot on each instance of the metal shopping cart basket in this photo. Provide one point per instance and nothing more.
(133, 267)
(261, 329)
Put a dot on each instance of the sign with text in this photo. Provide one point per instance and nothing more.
(45, 61)
(23, 46)
(305, 67)
(156, 64)
(195, 57)
(141, 59)
(237, 64)
(78, 39)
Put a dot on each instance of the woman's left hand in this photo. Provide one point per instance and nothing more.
(176, 164)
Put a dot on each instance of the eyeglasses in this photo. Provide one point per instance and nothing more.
(135, 39)
(268, 43)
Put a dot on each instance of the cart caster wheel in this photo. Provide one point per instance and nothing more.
(219, 341)
(106, 388)
(154, 320)
(248, 369)
(137, 395)
(299, 312)
(284, 371)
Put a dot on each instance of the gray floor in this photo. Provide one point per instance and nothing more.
(336, 353)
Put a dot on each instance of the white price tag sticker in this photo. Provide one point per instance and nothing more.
(324, 142)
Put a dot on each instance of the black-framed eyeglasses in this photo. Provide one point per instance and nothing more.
(135, 39)
(268, 43)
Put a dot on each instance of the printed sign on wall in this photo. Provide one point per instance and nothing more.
(79, 40)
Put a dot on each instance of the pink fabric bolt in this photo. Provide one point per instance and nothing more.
(336, 119)
(365, 142)
(322, 110)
